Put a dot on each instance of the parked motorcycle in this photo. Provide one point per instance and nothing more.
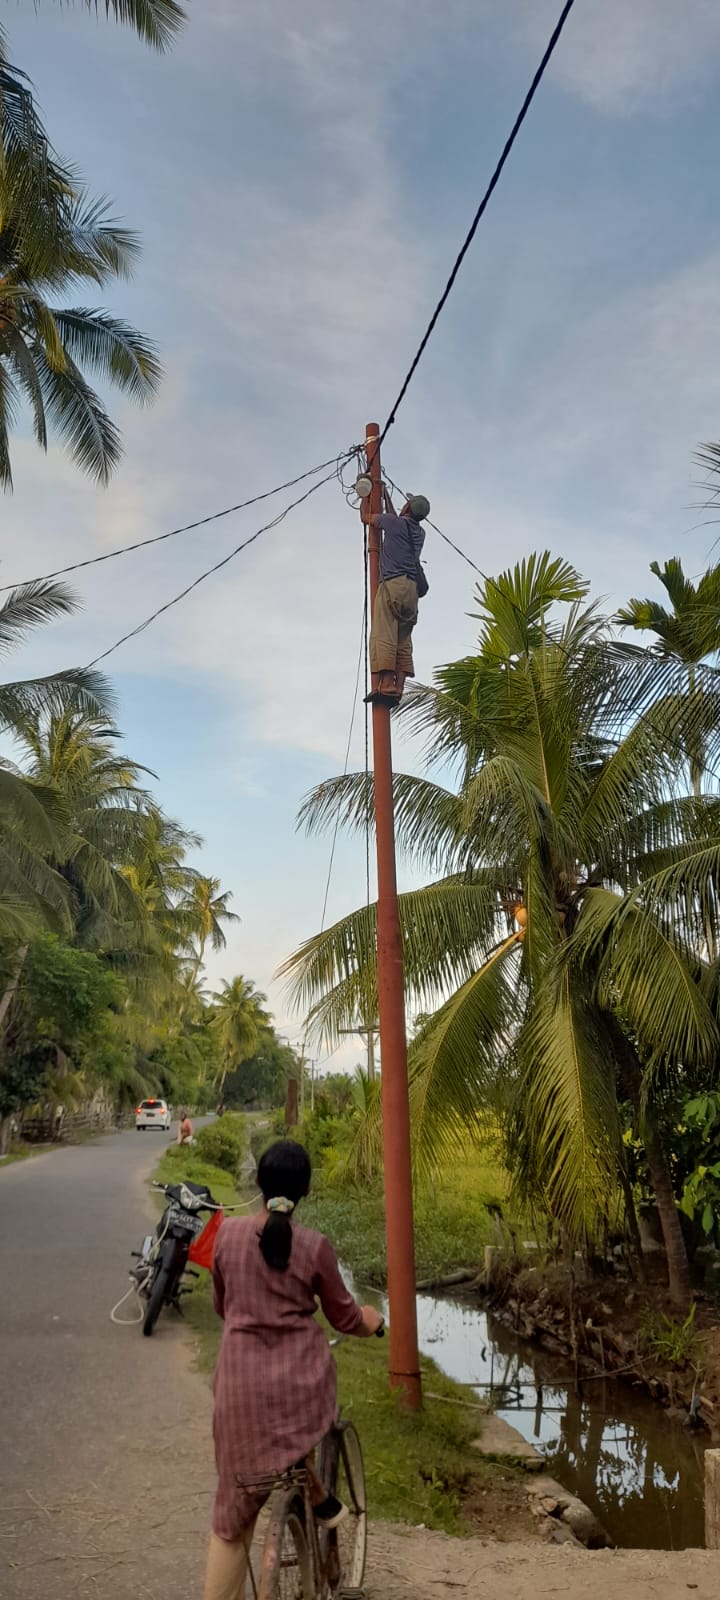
(162, 1263)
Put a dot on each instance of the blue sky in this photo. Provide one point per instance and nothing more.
(301, 178)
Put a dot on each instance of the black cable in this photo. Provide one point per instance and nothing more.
(484, 575)
(188, 527)
(331, 863)
(366, 619)
(362, 652)
(210, 570)
(495, 179)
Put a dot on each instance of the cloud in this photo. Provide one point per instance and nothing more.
(623, 59)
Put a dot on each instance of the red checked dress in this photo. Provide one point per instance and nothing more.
(275, 1389)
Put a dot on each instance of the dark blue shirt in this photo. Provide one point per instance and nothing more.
(401, 544)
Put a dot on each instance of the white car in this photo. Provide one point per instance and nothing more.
(153, 1114)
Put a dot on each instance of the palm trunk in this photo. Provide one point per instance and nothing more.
(659, 1171)
(5, 1004)
(677, 1256)
(11, 990)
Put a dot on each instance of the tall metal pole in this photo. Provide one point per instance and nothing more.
(404, 1358)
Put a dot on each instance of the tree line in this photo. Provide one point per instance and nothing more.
(104, 923)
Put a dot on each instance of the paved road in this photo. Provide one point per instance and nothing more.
(106, 1472)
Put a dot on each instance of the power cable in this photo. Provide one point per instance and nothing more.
(188, 527)
(453, 546)
(362, 652)
(366, 620)
(495, 179)
(215, 568)
(331, 863)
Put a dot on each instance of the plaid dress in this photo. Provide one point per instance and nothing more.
(275, 1388)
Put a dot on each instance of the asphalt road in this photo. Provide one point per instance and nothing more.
(106, 1469)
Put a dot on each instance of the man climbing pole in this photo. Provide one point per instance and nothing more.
(402, 582)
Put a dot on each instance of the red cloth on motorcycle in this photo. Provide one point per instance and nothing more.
(202, 1249)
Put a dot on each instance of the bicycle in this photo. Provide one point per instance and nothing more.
(301, 1560)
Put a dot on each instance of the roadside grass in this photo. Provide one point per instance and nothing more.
(455, 1218)
(24, 1152)
(419, 1468)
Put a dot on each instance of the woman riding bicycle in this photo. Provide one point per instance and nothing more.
(275, 1383)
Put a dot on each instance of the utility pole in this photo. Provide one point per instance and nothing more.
(370, 1034)
(404, 1358)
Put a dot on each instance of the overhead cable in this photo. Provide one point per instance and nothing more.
(188, 527)
(495, 179)
(215, 568)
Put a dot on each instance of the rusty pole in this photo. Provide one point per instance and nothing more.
(404, 1359)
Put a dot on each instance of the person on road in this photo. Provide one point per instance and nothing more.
(402, 582)
(185, 1129)
(275, 1386)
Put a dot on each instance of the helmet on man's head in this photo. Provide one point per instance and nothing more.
(418, 507)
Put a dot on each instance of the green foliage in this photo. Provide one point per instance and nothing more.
(586, 798)
(698, 1145)
(224, 1143)
(261, 1081)
(184, 1163)
(676, 1342)
(239, 1021)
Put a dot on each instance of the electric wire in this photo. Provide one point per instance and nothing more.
(362, 653)
(495, 179)
(366, 620)
(188, 527)
(209, 571)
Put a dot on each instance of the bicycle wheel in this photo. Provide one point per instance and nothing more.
(286, 1565)
(347, 1482)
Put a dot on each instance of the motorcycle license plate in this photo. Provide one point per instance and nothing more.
(188, 1223)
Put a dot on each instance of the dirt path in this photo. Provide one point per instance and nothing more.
(408, 1562)
(106, 1471)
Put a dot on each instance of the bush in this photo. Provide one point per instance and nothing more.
(224, 1143)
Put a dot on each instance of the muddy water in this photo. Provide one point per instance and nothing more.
(641, 1473)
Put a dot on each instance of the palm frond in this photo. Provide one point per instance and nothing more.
(8, 412)
(81, 419)
(447, 929)
(113, 349)
(15, 352)
(156, 21)
(565, 1138)
(428, 819)
(647, 974)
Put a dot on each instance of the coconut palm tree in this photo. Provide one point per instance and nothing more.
(74, 754)
(239, 1018)
(46, 349)
(206, 908)
(34, 822)
(688, 633)
(557, 953)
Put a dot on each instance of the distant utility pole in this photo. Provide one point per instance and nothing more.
(370, 1034)
(404, 1358)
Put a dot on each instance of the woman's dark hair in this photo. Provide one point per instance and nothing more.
(284, 1173)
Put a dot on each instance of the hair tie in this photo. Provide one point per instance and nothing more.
(280, 1204)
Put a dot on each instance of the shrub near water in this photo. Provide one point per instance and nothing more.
(224, 1143)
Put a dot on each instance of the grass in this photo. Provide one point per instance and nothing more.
(418, 1467)
(453, 1222)
(23, 1152)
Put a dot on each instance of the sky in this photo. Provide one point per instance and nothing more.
(302, 177)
